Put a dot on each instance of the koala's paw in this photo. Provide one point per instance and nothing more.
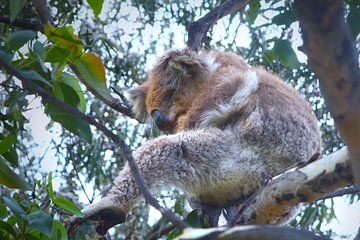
(106, 219)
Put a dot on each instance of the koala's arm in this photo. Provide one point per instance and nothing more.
(199, 162)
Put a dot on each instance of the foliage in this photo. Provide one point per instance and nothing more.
(97, 44)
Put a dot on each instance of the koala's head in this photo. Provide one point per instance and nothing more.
(170, 89)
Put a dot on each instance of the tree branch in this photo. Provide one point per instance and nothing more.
(113, 102)
(306, 184)
(250, 232)
(331, 55)
(22, 23)
(118, 141)
(342, 192)
(43, 10)
(197, 30)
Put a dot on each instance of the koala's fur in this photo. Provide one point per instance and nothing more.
(235, 124)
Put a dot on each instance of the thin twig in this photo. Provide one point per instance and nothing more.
(118, 141)
(342, 192)
(161, 231)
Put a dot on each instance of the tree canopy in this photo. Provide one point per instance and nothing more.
(71, 62)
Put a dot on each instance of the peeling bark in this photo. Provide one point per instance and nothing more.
(303, 185)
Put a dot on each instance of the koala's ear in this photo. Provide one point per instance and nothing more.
(181, 64)
(137, 97)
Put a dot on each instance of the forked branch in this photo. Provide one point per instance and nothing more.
(197, 30)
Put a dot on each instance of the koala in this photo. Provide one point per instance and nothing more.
(232, 125)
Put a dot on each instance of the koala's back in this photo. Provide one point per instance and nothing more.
(260, 108)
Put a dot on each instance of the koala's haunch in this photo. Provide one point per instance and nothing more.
(234, 124)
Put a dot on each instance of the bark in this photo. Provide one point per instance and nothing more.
(285, 192)
(332, 57)
(251, 232)
(303, 185)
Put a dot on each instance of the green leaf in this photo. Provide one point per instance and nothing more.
(252, 13)
(70, 122)
(58, 231)
(96, 6)
(39, 49)
(353, 19)
(6, 56)
(68, 206)
(12, 157)
(195, 219)
(92, 74)
(286, 18)
(79, 235)
(285, 53)
(32, 75)
(56, 54)
(15, 7)
(74, 83)
(65, 38)
(41, 222)
(66, 93)
(3, 211)
(11, 179)
(173, 234)
(14, 205)
(7, 142)
(19, 38)
(50, 186)
(4, 226)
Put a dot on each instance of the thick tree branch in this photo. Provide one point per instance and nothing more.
(197, 30)
(331, 55)
(306, 184)
(118, 141)
(251, 232)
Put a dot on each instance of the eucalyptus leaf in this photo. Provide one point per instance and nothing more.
(10, 179)
(15, 7)
(96, 6)
(58, 231)
(41, 222)
(4, 226)
(34, 76)
(19, 38)
(68, 206)
(285, 53)
(353, 20)
(14, 205)
(7, 142)
(92, 74)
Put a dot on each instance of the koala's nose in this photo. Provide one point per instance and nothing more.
(161, 121)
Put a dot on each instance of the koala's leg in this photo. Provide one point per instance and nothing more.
(198, 162)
